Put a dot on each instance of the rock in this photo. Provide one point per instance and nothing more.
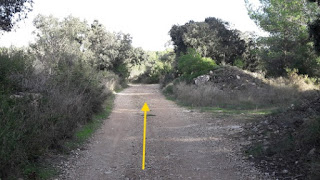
(108, 172)
(285, 171)
(238, 77)
(255, 129)
(201, 79)
(311, 152)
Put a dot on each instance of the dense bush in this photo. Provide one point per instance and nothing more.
(40, 110)
(157, 65)
(154, 74)
(192, 65)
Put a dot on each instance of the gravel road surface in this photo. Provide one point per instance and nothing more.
(180, 144)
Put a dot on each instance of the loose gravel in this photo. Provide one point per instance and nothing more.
(180, 144)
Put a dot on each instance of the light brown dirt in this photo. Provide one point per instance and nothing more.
(181, 144)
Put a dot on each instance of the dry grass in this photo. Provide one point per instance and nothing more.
(249, 90)
(209, 95)
(289, 136)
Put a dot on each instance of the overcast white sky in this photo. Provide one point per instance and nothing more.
(148, 21)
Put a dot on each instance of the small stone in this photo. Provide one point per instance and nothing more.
(285, 171)
(108, 172)
(311, 152)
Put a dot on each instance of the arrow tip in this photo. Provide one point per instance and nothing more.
(145, 107)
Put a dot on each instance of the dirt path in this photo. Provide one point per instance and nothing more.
(181, 144)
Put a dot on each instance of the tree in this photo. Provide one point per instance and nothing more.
(250, 58)
(104, 46)
(288, 45)
(314, 29)
(12, 11)
(212, 38)
(59, 42)
(113, 51)
(71, 40)
(176, 33)
(229, 46)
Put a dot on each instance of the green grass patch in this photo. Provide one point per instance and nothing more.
(39, 171)
(227, 109)
(256, 150)
(232, 111)
(170, 98)
(86, 131)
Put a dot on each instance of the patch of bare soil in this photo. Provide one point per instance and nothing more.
(181, 143)
(287, 145)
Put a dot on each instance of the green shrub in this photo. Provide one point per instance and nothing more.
(12, 111)
(166, 79)
(157, 71)
(122, 70)
(239, 63)
(168, 89)
(155, 68)
(40, 110)
(12, 65)
(192, 65)
(310, 133)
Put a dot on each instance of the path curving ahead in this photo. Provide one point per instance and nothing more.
(181, 144)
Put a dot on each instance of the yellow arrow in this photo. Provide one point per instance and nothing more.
(145, 108)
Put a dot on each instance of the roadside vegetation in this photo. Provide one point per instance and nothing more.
(51, 93)
(155, 66)
(272, 82)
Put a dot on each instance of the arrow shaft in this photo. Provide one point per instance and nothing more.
(144, 139)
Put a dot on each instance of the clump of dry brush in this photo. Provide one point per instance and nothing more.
(41, 107)
(232, 86)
